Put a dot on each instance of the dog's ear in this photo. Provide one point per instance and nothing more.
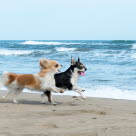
(43, 63)
(73, 61)
(78, 59)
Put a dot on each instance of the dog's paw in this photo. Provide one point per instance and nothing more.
(53, 103)
(15, 101)
(42, 102)
(3, 97)
(84, 97)
(61, 91)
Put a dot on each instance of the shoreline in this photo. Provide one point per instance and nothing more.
(70, 117)
(72, 93)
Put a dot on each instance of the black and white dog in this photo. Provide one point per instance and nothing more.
(68, 80)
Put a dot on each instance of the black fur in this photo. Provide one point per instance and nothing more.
(63, 79)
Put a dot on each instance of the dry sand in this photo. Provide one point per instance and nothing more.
(71, 117)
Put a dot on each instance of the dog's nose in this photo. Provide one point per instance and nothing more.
(61, 65)
(85, 69)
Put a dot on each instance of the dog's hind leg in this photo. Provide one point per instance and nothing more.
(17, 92)
(10, 92)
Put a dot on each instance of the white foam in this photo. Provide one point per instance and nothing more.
(46, 43)
(111, 92)
(62, 49)
(133, 56)
(100, 43)
(133, 46)
(13, 52)
(99, 92)
(36, 42)
(105, 92)
(112, 54)
(102, 54)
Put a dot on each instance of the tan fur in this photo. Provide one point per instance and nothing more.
(34, 81)
(24, 80)
(29, 79)
(12, 77)
(43, 72)
(47, 64)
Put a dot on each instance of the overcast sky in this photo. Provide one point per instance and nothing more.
(67, 19)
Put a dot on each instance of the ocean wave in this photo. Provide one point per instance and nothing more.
(100, 43)
(133, 56)
(100, 92)
(106, 92)
(111, 54)
(123, 41)
(111, 92)
(62, 49)
(133, 46)
(23, 53)
(14, 52)
(46, 43)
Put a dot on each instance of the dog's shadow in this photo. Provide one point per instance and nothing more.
(28, 102)
(38, 103)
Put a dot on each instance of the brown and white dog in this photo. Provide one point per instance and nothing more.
(42, 81)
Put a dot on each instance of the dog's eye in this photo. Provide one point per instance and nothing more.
(81, 67)
(56, 65)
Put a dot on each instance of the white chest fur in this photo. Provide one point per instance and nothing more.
(74, 77)
(47, 81)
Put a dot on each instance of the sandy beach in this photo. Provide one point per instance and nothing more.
(72, 116)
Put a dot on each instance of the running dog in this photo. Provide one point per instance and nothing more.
(68, 80)
(42, 81)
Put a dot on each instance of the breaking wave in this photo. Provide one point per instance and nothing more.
(100, 92)
(111, 92)
(14, 52)
(65, 49)
(133, 46)
(22, 53)
(133, 56)
(47, 43)
(107, 92)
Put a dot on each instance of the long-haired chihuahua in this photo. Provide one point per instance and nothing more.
(42, 81)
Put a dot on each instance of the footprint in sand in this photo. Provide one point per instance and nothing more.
(49, 125)
(93, 112)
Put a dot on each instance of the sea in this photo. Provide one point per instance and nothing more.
(111, 65)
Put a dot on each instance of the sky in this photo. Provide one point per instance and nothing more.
(67, 19)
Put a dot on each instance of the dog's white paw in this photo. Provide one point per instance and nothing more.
(84, 97)
(3, 97)
(43, 102)
(15, 101)
(53, 103)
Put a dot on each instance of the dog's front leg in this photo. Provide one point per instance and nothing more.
(49, 95)
(54, 89)
(57, 90)
(80, 91)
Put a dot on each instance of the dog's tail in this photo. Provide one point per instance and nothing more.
(4, 79)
